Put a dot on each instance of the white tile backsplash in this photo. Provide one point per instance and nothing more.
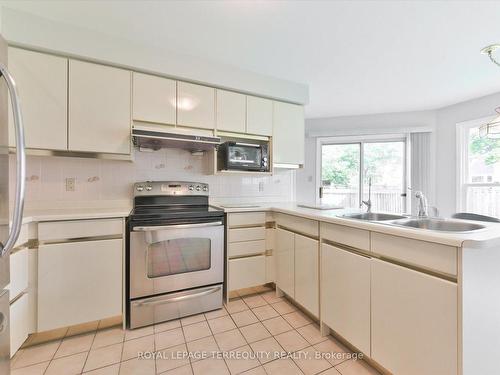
(101, 181)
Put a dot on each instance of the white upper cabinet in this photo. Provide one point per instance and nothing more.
(195, 106)
(154, 99)
(42, 87)
(259, 116)
(99, 108)
(288, 134)
(231, 111)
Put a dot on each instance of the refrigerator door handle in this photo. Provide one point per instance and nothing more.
(21, 163)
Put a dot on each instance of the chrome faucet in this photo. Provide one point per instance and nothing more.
(368, 203)
(422, 204)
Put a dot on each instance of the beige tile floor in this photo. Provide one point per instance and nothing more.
(253, 321)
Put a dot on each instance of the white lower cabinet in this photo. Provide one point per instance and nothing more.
(413, 321)
(307, 273)
(79, 282)
(19, 322)
(285, 262)
(246, 272)
(345, 291)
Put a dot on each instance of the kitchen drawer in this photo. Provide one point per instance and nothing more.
(62, 230)
(19, 323)
(246, 234)
(18, 272)
(298, 224)
(246, 272)
(353, 237)
(246, 219)
(433, 256)
(239, 249)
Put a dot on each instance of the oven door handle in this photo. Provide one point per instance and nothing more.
(161, 301)
(177, 226)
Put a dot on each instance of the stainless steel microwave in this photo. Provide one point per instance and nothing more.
(243, 156)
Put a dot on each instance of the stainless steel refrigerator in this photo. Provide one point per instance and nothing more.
(8, 232)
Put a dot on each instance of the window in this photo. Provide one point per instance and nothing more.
(348, 164)
(478, 171)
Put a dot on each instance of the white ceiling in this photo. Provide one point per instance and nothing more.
(358, 57)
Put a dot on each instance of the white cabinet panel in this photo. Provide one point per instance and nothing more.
(288, 133)
(42, 83)
(18, 273)
(307, 273)
(245, 248)
(259, 116)
(195, 106)
(231, 111)
(246, 219)
(285, 263)
(246, 272)
(413, 321)
(246, 234)
(71, 229)
(154, 99)
(79, 282)
(345, 295)
(270, 269)
(19, 323)
(99, 108)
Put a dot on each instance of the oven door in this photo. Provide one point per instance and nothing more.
(175, 257)
(244, 156)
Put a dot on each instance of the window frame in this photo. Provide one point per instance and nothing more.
(361, 140)
(462, 177)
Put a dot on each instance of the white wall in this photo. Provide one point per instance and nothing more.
(106, 183)
(51, 36)
(388, 123)
(443, 120)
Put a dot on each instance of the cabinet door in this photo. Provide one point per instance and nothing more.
(259, 116)
(154, 99)
(79, 282)
(42, 82)
(288, 134)
(19, 323)
(345, 295)
(414, 321)
(195, 106)
(307, 273)
(231, 111)
(19, 274)
(99, 108)
(285, 263)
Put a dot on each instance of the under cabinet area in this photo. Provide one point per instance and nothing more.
(79, 272)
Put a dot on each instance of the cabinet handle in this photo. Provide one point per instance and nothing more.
(162, 301)
(21, 163)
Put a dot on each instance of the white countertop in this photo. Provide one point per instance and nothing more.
(489, 236)
(56, 214)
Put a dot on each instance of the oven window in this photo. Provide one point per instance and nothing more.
(179, 255)
(244, 155)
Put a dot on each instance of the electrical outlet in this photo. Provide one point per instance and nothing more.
(70, 184)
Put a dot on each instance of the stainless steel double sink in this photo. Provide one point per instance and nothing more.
(437, 224)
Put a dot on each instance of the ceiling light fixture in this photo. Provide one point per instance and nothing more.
(492, 128)
(489, 51)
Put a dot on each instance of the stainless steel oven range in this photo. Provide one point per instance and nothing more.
(175, 253)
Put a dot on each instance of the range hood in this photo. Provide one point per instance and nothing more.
(157, 138)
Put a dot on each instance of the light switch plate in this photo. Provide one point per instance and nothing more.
(70, 184)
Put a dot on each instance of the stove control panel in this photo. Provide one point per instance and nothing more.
(170, 188)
